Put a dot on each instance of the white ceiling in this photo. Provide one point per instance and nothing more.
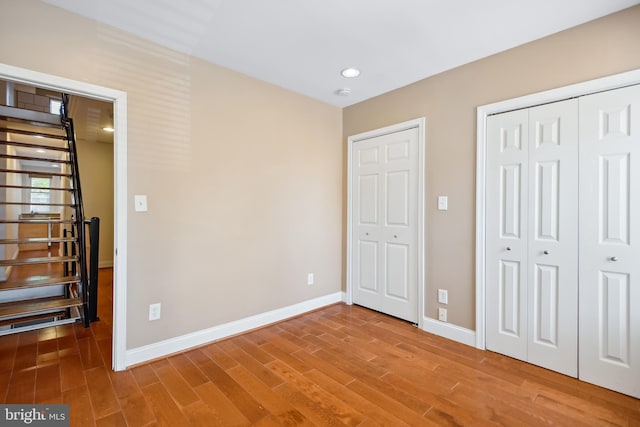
(302, 45)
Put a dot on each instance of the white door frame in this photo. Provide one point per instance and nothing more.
(420, 124)
(606, 83)
(119, 99)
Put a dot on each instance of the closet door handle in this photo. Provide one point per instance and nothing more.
(508, 248)
(614, 258)
(546, 252)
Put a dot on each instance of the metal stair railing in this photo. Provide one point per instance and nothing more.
(67, 122)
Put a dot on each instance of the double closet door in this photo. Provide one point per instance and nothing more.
(562, 249)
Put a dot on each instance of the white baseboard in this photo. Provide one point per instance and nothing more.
(449, 331)
(195, 339)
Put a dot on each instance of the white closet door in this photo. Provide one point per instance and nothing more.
(552, 258)
(506, 244)
(610, 239)
(385, 221)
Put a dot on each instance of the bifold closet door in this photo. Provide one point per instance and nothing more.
(553, 237)
(532, 254)
(385, 223)
(610, 239)
(506, 233)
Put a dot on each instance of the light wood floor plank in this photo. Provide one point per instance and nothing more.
(337, 366)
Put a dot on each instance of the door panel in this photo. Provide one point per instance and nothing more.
(510, 200)
(368, 266)
(552, 259)
(545, 306)
(385, 215)
(614, 187)
(509, 299)
(368, 201)
(397, 201)
(547, 193)
(397, 268)
(614, 288)
(506, 310)
(610, 239)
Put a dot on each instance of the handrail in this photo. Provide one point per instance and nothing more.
(67, 122)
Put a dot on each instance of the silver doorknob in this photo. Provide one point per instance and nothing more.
(395, 236)
(614, 258)
(508, 248)
(366, 234)
(546, 252)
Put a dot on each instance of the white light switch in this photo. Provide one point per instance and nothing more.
(443, 203)
(140, 203)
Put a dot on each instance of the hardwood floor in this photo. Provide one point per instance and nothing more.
(341, 365)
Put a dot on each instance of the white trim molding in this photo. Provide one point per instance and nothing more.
(195, 339)
(119, 100)
(580, 89)
(450, 331)
(420, 124)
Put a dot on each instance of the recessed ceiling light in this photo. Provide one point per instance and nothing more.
(345, 91)
(350, 72)
(108, 129)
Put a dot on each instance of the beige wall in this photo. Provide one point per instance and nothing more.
(448, 101)
(244, 179)
(96, 175)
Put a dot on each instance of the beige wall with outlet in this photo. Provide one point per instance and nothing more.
(243, 179)
(246, 182)
(603, 47)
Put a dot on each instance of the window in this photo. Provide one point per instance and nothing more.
(54, 106)
(40, 193)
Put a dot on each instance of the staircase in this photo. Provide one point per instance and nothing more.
(44, 279)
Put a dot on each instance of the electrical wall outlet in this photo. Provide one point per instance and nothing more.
(443, 296)
(310, 279)
(140, 202)
(154, 311)
(442, 314)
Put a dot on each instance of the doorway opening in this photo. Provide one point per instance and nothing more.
(95, 99)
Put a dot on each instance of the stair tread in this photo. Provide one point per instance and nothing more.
(36, 240)
(37, 204)
(35, 317)
(31, 172)
(34, 158)
(31, 145)
(36, 260)
(30, 116)
(26, 307)
(37, 221)
(49, 281)
(32, 133)
(29, 187)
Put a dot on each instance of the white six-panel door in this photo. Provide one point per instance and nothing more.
(552, 258)
(610, 239)
(532, 259)
(557, 298)
(506, 269)
(384, 218)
